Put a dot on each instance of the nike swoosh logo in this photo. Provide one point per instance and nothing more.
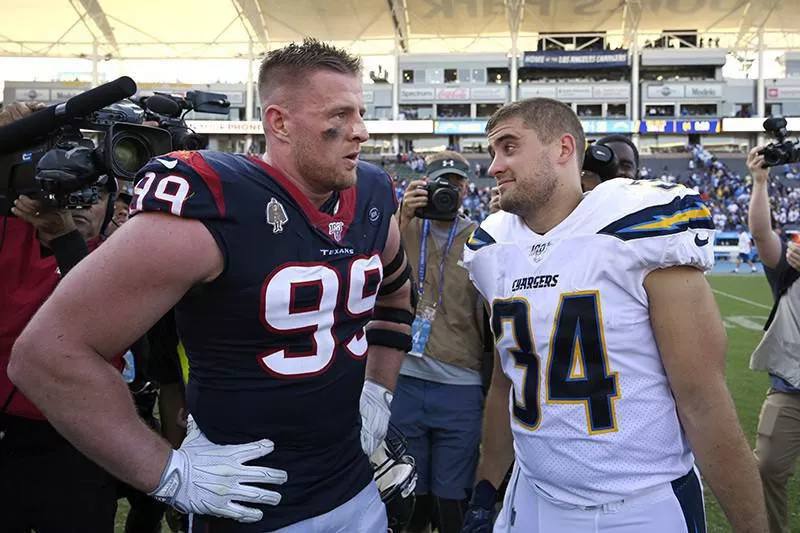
(700, 242)
(169, 164)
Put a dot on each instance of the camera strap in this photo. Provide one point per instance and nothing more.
(423, 257)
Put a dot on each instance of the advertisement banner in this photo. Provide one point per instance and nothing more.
(619, 92)
(422, 94)
(537, 91)
(254, 127)
(666, 90)
(459, 127)
(574, 92)
(449, 94)
(783, 93)
(60, 95)
(578, 59)
(704, 90)
(591, 127)
(38, 95)
(680, 127)
(755, 124)
(490, 94)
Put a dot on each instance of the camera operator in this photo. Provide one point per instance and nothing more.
(612, 156)
(778, 441)
(438, 404)
(18, 110)
(46, 484)
(627, 155)
(120, 214)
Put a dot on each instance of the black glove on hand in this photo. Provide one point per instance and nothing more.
(480, 513)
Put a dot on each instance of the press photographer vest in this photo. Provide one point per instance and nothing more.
(456, 331)
(779, 351)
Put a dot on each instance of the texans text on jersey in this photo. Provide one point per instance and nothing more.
(336, 251)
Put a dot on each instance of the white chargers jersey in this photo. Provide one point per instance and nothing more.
(592, 412)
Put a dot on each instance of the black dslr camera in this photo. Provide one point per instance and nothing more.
(601, 160)
(47, 156)
(444, 193)
(169, 111)
(782, 151)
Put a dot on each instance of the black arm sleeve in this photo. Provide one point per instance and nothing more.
(780, 279)
(775, 276)
(164, 365)
(69, 250)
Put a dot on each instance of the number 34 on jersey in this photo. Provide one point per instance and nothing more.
(576, 369)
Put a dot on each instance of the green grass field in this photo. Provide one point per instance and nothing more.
(744, 301)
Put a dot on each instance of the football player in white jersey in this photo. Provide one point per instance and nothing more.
(611, 350)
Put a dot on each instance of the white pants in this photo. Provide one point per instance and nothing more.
(363, 513)
(668, 508)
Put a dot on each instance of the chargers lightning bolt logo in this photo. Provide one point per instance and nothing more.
(679, 215)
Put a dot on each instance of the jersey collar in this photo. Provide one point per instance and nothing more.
(324, 222)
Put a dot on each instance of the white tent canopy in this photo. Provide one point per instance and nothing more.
(238, 28)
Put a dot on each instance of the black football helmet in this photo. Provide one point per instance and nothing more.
(396, 477)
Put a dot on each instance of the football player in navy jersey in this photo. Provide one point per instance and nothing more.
(289, 285)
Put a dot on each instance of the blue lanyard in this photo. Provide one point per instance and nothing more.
(423, 257)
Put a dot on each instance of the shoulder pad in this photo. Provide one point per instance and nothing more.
(497, 227)
(649, 208)
(376, 177)
(479, 239)
(666, 224)
(182, 183)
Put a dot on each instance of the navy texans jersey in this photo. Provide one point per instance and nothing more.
(276, 344)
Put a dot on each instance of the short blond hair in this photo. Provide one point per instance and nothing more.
(549, 118)
(292, 64)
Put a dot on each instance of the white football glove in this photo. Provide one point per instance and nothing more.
(375, 413)
(205, 478)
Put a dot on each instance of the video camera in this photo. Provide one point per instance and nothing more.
(46, 155)
(601, 160)
(169, 111)
(443, 193)
(782, 151)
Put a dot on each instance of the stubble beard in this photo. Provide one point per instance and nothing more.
(330, 178)
(533, 195)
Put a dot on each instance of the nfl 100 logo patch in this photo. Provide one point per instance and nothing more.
(539, 250)
(335, 230)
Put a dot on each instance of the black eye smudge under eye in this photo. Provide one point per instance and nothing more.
(332, 133)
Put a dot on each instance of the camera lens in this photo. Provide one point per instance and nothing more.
(129, 154)
(773, 155)
(445, 200)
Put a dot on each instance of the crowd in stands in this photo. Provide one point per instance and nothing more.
(726, 190)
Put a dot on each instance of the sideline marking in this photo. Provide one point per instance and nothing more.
(745, 300)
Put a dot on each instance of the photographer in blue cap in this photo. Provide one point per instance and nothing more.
(438, 404)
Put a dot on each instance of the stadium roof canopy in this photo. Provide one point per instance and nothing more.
(162, 29)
